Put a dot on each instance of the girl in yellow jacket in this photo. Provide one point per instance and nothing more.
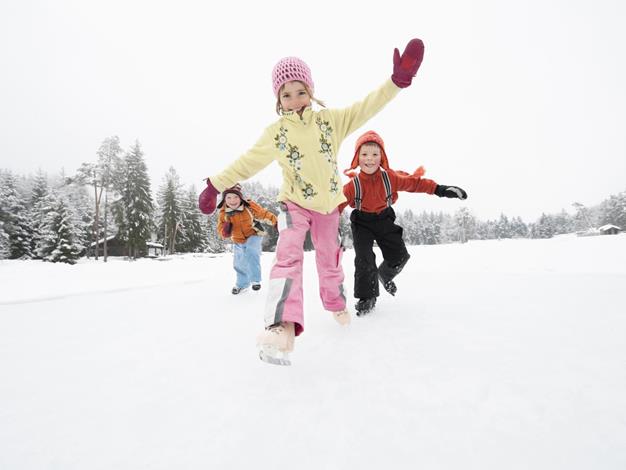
(239, 220)
(305, 143)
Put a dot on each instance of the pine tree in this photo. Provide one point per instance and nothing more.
(58, 236)
(40, 205)
(14, 218)
(109, 167)
(544, 228)
(613, 211)
(135, 207)
(5, 250)
(171, 216)
(193, 234)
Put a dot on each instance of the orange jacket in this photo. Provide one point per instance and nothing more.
(243, 220)
(374, 197)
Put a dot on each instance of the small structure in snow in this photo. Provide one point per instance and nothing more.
(157, 249)
(609, 229)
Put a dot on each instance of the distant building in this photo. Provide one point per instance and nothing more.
(609, 229)
(115, 247)
(156, 248)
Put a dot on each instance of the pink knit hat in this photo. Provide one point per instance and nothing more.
(288, 69)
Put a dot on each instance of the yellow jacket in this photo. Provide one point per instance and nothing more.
(306, 148)
(242, 220)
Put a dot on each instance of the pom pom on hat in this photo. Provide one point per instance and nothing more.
(289, 69)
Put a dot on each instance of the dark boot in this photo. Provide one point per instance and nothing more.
(386, 273)
(365, 306)
(238, 290)
(256, 286)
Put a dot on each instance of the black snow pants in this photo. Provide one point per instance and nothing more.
(366, 228)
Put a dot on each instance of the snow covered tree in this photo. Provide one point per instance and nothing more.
(544, 228)
(5, 251)
(613, 211)
(171, 215)
(193, 234)
(135, 207)
(109, 165)
(14, 218)
(58, 235)
(466, 224)
(582, 219)
(518, 228)
(40, 205)
(503, 227)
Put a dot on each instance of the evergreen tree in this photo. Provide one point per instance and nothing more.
(193, 236)
(110, 169)
(58, 236)
(5, 247)
(14, 218)
(171, 214)
(503, 227)
(518, 228)
(613, 211)
(544, 228)
(466, 224)
(40, 205)
(134, 209)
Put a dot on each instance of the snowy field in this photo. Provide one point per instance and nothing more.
(494, 355)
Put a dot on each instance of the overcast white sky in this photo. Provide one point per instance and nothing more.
(523, 104)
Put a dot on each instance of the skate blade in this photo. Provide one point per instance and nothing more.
(271, 355)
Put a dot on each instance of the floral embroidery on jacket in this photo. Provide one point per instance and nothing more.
(281, 139)
(294, 157)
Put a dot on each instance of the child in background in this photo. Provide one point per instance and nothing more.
(305, 143)
(239, 219)
(372, 192)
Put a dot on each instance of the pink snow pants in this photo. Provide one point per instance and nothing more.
(285, 298)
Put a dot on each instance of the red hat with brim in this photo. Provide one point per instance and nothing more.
(368, 137)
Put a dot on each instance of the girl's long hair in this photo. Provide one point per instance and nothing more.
(279, 108)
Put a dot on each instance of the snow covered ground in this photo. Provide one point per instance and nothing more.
(494, 355)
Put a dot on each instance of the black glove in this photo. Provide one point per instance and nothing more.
(450, 191)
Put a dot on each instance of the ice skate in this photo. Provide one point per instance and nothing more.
(276, 342)
(342, 317)
(365, 306)
(256, 286)
(238, 290)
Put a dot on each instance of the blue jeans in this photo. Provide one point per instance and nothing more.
(247, 261)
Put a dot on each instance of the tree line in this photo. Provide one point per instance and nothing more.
(64, 217)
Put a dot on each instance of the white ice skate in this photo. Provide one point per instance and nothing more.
(342, 317)
(275, 344)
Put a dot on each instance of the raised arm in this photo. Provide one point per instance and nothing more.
(245, 167)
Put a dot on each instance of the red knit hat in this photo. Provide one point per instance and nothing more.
(233, 190)
(371, 136)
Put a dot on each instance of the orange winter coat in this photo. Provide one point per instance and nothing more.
(242, 220)
(373, 194)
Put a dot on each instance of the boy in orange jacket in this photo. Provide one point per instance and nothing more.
(372, 192)
(239, 219)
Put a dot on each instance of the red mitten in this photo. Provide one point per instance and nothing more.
(227, 229)
(208, 198)
(405, 67)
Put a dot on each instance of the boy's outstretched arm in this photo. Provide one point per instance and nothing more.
(450, 191)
